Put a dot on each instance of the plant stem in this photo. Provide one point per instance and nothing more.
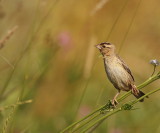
(118, 110)
(75, 123)
(154, 68)
(104, 117)
(86, 122)
(148, 81)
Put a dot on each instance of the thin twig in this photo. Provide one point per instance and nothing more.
(86, 122)
(18, 103)
(129, 27)
(7, 36)
(115, 22)
(154, 68)
(97, 125)
(7, 61)
(99, 6)
(8, 119)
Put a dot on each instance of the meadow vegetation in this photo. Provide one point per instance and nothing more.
(52, 75)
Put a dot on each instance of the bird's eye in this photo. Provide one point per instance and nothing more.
(103, 46)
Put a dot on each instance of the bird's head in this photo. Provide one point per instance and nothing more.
(106, 48)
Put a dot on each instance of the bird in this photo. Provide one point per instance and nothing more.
(118, 72)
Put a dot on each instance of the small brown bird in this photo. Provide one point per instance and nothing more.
(118, 72)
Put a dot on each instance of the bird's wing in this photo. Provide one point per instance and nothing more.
(126, 67)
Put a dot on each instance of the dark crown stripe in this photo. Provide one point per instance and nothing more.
(105, 43)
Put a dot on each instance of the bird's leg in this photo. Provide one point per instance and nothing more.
(114, 101)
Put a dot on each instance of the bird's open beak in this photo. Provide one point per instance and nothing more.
(97, 46)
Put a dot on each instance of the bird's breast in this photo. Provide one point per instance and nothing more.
(116, 73)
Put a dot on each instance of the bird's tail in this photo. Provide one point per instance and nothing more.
(137, 93)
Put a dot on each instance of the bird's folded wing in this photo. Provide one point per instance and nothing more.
(125, 67)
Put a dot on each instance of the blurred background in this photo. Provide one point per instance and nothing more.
(51, 59)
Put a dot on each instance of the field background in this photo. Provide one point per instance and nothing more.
(52, 60)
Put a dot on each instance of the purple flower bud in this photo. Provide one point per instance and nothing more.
(65, 40)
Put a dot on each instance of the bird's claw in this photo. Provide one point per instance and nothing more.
(114, 102)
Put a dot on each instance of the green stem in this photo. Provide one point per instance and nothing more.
(97, 125)
(75, 123)
(117, 110)
(86, 122)
(148, 81)
(154, 68)
(97, 121)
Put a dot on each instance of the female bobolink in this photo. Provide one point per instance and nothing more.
(117, 71)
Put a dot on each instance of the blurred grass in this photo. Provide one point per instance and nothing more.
(53, 54)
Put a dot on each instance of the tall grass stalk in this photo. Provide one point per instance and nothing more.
(130, 25)
(119, 109)
(92, 115)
